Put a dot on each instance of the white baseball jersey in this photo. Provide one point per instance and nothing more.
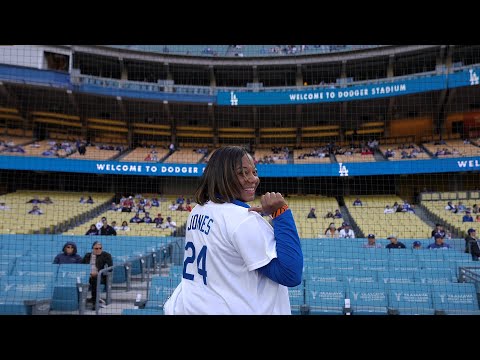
(224, 245)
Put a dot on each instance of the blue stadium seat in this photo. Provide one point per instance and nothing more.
(325, 298)
(71, 287)
(360, 276)
(319, 275)
(435, 276)
(297, 298)
(142, 312)
(397, 277)
(26, 295)
(368, 298)
(455, 299)
(160, 290)
(410, 299)
(38, 269)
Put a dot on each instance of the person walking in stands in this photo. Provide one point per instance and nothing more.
(98, 260)
(68, 255)
(471, 244)
(235, 261)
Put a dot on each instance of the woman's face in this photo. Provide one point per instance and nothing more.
(248, 178)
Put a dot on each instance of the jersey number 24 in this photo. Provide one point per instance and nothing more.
(201, 262)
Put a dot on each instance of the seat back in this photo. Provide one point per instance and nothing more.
(368, 298)
(161, 288)
(455, 299)
(325, 298)
(410, 299)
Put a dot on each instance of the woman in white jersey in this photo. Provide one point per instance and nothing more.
(235, 262)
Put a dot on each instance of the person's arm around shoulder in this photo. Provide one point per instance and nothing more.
(286, 268)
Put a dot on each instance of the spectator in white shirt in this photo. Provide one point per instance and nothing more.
(347, 232)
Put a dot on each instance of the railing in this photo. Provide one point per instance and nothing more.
(244, 50)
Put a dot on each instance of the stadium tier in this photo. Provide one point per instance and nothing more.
(374, 148)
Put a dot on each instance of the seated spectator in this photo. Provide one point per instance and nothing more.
(82, 200)
(113, 207)
(180, 199)
(477, 219)
(68, 255)
(92, 231)
(331, 231)
(338, 214)
(394, 243)
(173, 206)
(89, 200)
(101, 222)
(311, 214)
(371, 242)
(438, 230)
(124, 226)
(188, 207)
(98, 260)
(136, 219)
(388, 210)
(47, 200)
(329, 214)
(451, 207)
(35, 200)
(5, 207)
(357, 202)
(36, 210)
(170, 224)
(471, 244)
(180, 207)
(158, 219)
(107, 230)
(467, 217)
(417, 245)
(147, 219)
(155, 202)
(438, 244)
(346, 232)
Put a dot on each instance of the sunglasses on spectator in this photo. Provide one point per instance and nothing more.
(97, 248)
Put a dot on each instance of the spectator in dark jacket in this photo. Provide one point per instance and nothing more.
(98, 260)
(471, 244)
(107, 229)
(92, 231)
(68, 255)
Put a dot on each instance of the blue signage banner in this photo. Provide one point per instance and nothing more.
(99, 167)
(467, 77)
(150, 95)
(325, 95)
(26, 75)
(270, 170)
